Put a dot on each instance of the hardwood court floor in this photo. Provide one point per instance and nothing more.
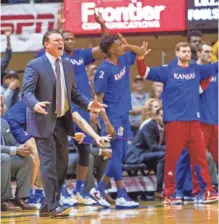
(149, 213)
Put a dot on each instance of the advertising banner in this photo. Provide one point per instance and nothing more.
(125, 16)
(202, 14)
(28, 23)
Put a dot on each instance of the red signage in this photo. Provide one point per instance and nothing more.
(125, 16)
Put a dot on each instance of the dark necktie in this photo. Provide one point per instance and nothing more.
(58, 89)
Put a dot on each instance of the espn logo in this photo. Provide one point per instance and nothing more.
(35, 23)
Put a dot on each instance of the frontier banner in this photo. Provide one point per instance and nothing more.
(125, 16)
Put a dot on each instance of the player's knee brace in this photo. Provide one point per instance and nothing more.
(83, 151)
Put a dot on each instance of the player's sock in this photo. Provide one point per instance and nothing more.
(120, 192)
(79, 185)
(101, 186)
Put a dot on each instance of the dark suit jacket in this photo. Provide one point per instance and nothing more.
(9, 139)
(40, 85)
(146, 140)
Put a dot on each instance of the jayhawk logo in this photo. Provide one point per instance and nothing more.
(120, 131)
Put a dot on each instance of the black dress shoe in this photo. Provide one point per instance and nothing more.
(21, 203)
(43, 214)
(60, 211)
(44, 211)
(7, 206)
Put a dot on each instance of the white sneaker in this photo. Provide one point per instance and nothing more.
(38, 205)
(122, 203)
(71, 201)
(84, 200)
(188, 200)
(96, 195)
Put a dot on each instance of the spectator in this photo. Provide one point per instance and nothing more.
(148, 145)
(195, 39)
(15, 162)
(156, 90)
(138, 97)
(16, 118)
(10, 88)
(8, 53)
(150, 108)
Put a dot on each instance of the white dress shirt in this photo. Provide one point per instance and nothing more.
(52, 61)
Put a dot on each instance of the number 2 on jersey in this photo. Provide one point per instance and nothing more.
(101, 75)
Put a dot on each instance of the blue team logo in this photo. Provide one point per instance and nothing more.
(120, 131)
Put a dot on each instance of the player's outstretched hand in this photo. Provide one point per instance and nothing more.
(79, 137)
(61, 17)
(146, 50)
(96, 106)
(101, 140)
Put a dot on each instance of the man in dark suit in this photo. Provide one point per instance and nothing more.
(148, 147)
(48, 90)
(15, 162)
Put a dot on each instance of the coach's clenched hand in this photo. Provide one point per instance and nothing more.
(40, 107)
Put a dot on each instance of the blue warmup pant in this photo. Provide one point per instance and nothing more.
(184, 181)
(114, 168)
(183, 174)
(119, 145)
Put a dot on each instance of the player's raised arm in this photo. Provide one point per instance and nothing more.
(158, 74)
(61, 20)
(139, 51)
(207, 70)
(96, 51)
